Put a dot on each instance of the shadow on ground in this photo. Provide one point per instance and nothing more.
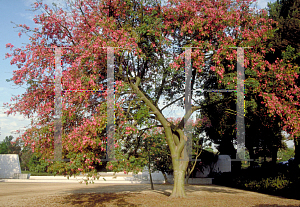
(267, 205)
(94, 199)
(116, 194)
(164, 189)
(61, 194)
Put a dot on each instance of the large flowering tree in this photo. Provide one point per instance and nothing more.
(146, 31)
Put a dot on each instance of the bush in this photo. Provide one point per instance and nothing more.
(37, 165)
(274, 181)
(268, 185)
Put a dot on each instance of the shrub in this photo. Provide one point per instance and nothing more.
(269, 184)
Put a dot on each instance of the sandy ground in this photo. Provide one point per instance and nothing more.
(67, 194)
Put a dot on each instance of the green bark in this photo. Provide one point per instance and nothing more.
(179, 166)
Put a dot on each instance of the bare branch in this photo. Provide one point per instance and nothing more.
(171, 103)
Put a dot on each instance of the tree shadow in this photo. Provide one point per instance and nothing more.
(109, 188)
(92, 195)
(94, 199)
(274, 205)
(167, 189)
(217, 189)
(125, 195)
(163, 189)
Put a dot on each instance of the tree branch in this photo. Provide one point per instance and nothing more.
(187, 116)
(182, 142)
(171, 103)
(161, 87)
(158, 115)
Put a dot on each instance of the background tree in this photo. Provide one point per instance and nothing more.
(25, 157)
(159, 152)
(285, 154)
(285, 43)
(262, 131)
(220, 108)
(4, 146)
(7, 146)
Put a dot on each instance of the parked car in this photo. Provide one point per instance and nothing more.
(284, 163)
(287, 163)
(255, 165)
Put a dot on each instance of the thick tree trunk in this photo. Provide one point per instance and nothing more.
(179, 168)
(178, 188)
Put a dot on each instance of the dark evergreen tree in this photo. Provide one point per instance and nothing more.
(285, 43)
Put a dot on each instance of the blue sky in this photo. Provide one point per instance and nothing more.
(18, 11)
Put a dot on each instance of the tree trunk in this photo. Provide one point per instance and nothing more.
(251, 154)
(265, 153)
(297, 150)
(149, 170)
(166, 178)
(187, 176)
(175, 138)
(274, 154)
(179, 168)
(178, 188)
(152, 188)
(190, 171)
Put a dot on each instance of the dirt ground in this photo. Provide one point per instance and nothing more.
(67, 194)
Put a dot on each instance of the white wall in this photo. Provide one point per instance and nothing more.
(9, 164)
(222, 165)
